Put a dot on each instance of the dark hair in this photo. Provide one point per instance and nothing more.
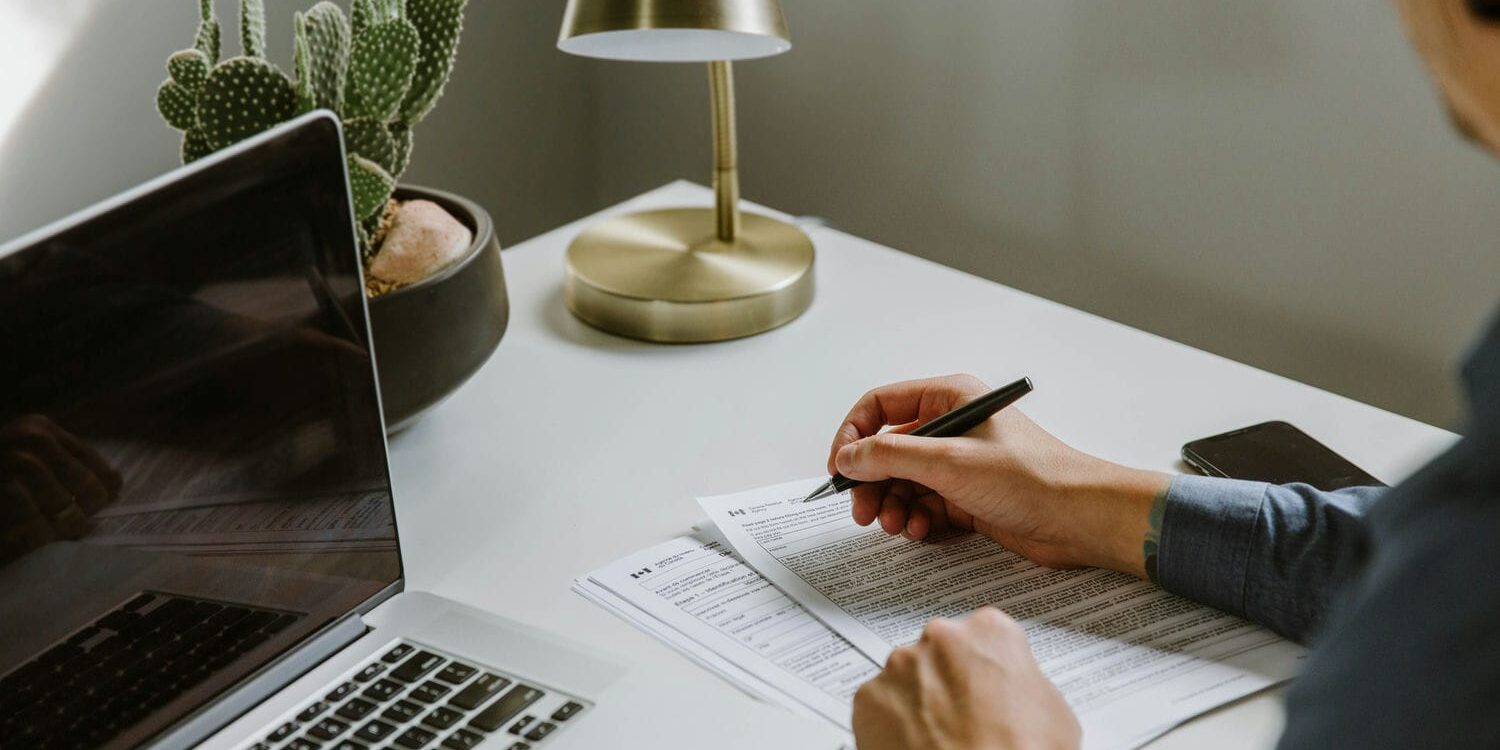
(1488, 10)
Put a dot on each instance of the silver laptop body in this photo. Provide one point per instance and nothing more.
(197, 533)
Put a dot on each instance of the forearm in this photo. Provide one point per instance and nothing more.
(1274, 554)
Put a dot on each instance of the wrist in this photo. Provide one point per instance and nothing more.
(1115, 506)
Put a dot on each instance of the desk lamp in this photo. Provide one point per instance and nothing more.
(687, 274)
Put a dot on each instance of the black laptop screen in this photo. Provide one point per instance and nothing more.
(191, 449)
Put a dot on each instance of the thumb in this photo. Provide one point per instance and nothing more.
(889, 455)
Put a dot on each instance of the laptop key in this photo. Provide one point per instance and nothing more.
(402, 711)
(463, 739)
(429, 692)
(311, 712)
(456, 672)
(119, 621)
(374, 731)
(370, 672)
(226, 617)
(349, 745)
(282, 732)
(540, 731)
(339, 693)
(356, 709)
(519, 746)
(567, 711)
(279, 624)
(479, 691)
(496, 714)
(302, 743)
(382, 690)
(521, 724)
(84, 636)
(442, 717)
(327, 729)
(417, 667)
(395, 654)
(415, 738)
(253, 622)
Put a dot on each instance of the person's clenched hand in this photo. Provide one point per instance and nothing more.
(50, 482)
(970, 684)
(1007, 478)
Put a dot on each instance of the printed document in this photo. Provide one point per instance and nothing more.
(735, 623)
(1131, 659)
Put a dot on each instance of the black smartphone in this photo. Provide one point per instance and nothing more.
(1275, 452)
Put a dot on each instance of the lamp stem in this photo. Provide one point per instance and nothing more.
(726, 173)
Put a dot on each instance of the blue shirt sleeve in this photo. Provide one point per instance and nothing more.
(1273, 554)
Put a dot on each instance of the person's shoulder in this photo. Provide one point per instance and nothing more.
(1409, 656)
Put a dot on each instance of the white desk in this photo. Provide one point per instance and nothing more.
(572, 447)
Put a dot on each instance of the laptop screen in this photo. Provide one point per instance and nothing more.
(192, 461)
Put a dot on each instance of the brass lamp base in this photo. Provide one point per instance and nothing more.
(666, 276)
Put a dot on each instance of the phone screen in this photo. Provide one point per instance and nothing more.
(1275, 452)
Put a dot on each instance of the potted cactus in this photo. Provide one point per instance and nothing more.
(432, 265)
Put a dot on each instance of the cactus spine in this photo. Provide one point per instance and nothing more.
(380, 70)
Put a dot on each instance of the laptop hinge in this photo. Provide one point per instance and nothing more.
(262, 686)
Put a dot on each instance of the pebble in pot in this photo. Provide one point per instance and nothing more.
(423, 239)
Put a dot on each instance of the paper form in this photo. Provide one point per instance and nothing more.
(697, 586)
(1129, 658)
(696, 652)
(355, 521)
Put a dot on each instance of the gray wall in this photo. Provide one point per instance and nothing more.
(1270, 180)
(514, 132)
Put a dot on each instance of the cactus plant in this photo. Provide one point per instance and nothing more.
(380, 69)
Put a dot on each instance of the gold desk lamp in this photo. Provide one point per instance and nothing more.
(687, 274)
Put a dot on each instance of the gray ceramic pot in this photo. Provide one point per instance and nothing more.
(432, 336)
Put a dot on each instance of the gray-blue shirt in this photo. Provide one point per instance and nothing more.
(1397, 591)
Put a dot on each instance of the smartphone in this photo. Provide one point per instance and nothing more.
(1275, 452)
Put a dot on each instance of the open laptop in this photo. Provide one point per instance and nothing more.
(197, 533)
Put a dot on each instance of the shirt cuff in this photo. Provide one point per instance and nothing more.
(1207, 531)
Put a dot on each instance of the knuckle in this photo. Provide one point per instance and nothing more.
(867, 696)
(965, 383)
(32, 422)
(940, 630)
(901, 659)
(991, 616)
(1001, 623)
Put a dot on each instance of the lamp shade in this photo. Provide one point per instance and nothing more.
(674, 30)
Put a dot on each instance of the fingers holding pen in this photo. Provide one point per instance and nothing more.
(901, 507)
(904, 405)
(894, 509)
(867, 499)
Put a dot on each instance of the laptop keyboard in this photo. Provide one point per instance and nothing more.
(412, 697)
(124, 665)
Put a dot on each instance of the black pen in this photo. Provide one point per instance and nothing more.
(952, 424)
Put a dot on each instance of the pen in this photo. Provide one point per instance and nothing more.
(952, 424)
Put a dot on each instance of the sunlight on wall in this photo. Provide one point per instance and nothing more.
(36, 39)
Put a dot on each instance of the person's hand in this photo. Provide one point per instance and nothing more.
(1008, 479)
(50, 483)
(971, 684)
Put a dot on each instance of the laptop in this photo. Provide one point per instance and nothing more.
(198, 539)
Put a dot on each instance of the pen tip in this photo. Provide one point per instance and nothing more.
(823, 490)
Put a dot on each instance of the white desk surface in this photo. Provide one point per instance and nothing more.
(572, 447)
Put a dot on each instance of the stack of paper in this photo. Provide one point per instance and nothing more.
(698, 596)
(807, 603)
